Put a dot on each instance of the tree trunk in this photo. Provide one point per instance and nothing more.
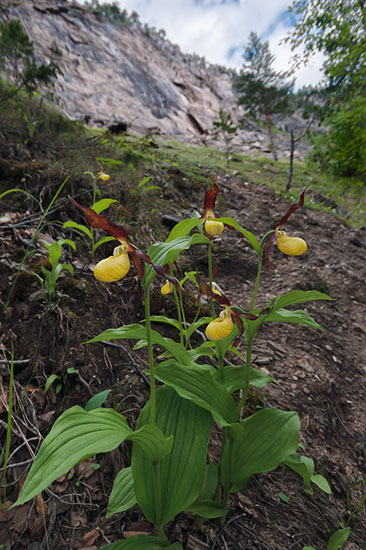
(269, 126)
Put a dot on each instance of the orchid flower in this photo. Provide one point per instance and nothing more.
(116, 267)
(290, 246)
(211, 227)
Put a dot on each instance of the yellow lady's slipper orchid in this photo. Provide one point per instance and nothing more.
(167, 288)
(114, 268)
(291, 246)
(103, 176)
(213, 228)
(220, 327)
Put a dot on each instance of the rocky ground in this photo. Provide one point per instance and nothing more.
(321, 376)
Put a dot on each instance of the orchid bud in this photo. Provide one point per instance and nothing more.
(291, 246)
(167, 288)
(213, 228)
(220, 327)
(114, 268)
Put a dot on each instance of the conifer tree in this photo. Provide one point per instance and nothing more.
(263, 90)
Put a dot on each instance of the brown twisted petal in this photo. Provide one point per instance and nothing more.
(210, 198)
(292, 209)
(103, 222)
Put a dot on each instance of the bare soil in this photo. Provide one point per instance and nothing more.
(321, 376)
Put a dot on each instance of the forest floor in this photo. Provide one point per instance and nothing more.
(322, 376)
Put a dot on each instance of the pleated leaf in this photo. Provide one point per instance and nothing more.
(138, 332)
(152, 442)
(207, 509)
(298, 317)
(261, 443)
(199, 386)
(75, 435)
(297, 297)
(183, 470)
(123, 493)
(232, 378)
(167, 253)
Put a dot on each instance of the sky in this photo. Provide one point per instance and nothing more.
(219, 29)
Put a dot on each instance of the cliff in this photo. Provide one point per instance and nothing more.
(124, 77)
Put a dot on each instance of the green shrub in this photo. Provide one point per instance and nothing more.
(343, 148)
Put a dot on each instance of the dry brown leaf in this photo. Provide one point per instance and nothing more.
(91, 537)
(78, 519)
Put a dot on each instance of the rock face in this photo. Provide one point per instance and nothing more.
(122, 77)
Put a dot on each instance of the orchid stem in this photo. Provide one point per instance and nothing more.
(179, 314)
(211, 279)
(182, 310)
(248, 362)
(151, 356)
(256, 283)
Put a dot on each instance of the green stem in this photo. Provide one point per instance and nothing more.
(225, 497)
(151, 356)
(162, 535)
(157, 498)
(256, 284)
(179, 314)
(211, 279)
(248, 361)
(182, 310)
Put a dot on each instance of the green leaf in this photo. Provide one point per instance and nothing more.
(222, 346)
(207, 509)
(103, 240)
(283, 497)
(305, 468)
(200, 387)
(297, 297)
(182, 471)
(150, 188)
(61, 242)
(143, 181)
(261, 443)
(298, 317)
(308, 548)
(75, 435)
(322, 483)
(138, 332)
(167, 253)
(232, 378)
(183, 228)
(338, 539)
(102, 205)
(50, 380)
(252, 239)
(209, 486)
(164, 319)
(97, 400)
(54, 253)
(79, 227)
(69, 268)
(123, 493)
(197, 324)
(142, 542)
(152, 442)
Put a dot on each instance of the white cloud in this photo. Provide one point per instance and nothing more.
(214, 28)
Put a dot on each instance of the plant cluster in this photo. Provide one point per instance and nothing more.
(169, 471)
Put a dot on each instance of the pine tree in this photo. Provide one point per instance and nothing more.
(263, 90)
